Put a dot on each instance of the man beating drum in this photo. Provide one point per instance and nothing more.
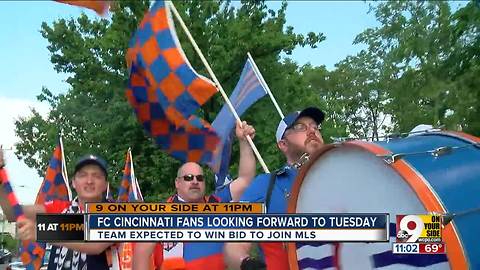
(298, 135)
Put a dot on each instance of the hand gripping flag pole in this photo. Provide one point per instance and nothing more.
(219, 86)
(54, 187)
(248, 91)
(33, 257)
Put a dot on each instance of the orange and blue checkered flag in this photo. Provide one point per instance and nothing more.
(54, 187)
(55, 184)
(31, 253)
(129, 189)
(165, 91)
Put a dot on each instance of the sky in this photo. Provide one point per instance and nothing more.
(27, 68)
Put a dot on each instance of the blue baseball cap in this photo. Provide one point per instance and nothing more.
(89, 160)
(316, 114)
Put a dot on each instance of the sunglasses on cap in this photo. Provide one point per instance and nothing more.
(190, 177)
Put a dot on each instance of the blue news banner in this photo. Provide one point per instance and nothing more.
(238, 227)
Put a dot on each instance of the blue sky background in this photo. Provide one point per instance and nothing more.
(26, 61)
(29, 67)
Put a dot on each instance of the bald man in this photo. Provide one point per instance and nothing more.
(190, 187)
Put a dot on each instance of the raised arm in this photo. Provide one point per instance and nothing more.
(247, 164)
(30, 211)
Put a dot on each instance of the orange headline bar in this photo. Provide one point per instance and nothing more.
(180, 208)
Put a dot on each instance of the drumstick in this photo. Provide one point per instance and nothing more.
(447, 217)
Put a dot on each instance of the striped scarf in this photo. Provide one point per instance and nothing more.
(66, 258)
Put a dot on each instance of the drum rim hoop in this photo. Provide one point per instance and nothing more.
(457, 260)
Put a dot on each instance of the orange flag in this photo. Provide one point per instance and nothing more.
(99, 6)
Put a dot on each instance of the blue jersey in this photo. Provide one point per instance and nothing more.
(257, 191)
(274, 253)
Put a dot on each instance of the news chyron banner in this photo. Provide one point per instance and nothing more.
(60, 228)
(419, 234)
(219, 222)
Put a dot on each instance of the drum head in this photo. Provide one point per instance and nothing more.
(349, 179)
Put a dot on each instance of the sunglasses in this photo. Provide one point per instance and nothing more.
(190, 177)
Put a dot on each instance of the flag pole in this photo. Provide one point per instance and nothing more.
(138, 192)
(219, 87)
(132, 174)
(108, 190)
(64, 169)
(265, 85)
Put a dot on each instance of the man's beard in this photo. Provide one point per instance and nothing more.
(312, 143)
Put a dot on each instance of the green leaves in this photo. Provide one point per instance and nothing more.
(94, 116)
(419, 46)
(421, 65)
(410, 73)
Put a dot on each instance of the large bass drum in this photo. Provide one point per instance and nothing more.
(429, 172)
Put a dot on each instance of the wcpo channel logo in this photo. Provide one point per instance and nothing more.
(419, 228)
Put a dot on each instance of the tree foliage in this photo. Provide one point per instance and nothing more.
(420, 46)
(420, 66)
(94, 116)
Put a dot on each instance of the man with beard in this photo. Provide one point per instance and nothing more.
(297, 134)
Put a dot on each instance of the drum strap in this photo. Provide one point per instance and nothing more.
(271, 184)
